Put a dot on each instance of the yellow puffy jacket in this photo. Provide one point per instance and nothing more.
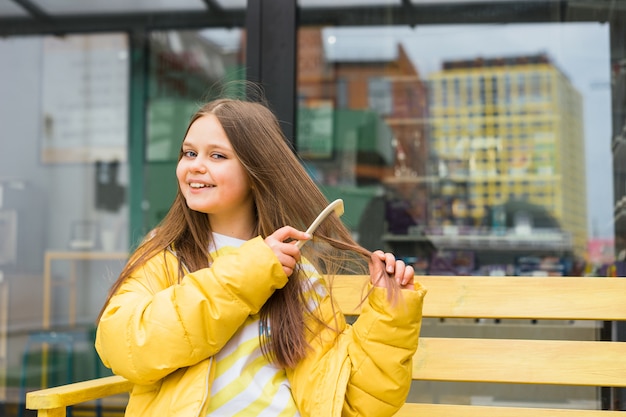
(162, 336)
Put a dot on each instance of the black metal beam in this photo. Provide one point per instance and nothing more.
(213, 6)
(67, 24)
(271, 30)
(139, 62)
(254, 24)
(407, 13)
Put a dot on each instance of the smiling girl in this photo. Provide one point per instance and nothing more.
(219, 313)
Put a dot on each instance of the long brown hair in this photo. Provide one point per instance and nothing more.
(284, 194)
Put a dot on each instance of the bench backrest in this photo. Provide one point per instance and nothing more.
(460, 305)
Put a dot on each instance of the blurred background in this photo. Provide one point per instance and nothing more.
(469, 137)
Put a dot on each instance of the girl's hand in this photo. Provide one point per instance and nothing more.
(288, 253)
(384, 267)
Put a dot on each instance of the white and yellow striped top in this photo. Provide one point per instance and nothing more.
(246, 383)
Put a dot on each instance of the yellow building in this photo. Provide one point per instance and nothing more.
(518, 124)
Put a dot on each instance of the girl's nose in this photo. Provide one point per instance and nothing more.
(198, 166)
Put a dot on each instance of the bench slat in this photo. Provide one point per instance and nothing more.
(451, 410)
(566, 298)
(506, 297)
(521, 361)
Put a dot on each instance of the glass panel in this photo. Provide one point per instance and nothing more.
(462, 154)
(232, 4)
(185, 68)
(69, 7)
(473, 149)
(63, 202)
(9, 9)
(618, 84)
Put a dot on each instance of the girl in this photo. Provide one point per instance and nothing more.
(218, 313)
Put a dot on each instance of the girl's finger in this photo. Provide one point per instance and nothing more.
(400, 268)
(390, 262)
(379, 254)
(377, 267)
(288, 232)
(409, 275)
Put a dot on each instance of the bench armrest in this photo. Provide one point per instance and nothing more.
(66, 395)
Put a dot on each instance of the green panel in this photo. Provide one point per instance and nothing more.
(374, 136)
(160, 191)
(137, 130)
(168, 118)
(355, 200)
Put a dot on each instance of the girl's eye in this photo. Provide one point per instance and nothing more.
(189, 154)
(217, 156)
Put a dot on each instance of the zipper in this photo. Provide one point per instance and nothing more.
(206, 387)
(342, 385)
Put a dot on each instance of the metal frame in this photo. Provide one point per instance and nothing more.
(271, 56)
(62, 25)
(137, 102)
(407, 13)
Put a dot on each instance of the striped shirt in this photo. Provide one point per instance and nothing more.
(246, 383)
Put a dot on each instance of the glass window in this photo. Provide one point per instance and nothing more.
(508, 138)
(65, 221)
(63, 198)
(379, 95)
(437, 133)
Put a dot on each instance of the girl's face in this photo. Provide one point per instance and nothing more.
(213, 180)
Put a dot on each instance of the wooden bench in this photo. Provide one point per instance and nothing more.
(539, 306)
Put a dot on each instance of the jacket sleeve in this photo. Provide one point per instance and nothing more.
(382, 343)
(151, 328)
(359, 370)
